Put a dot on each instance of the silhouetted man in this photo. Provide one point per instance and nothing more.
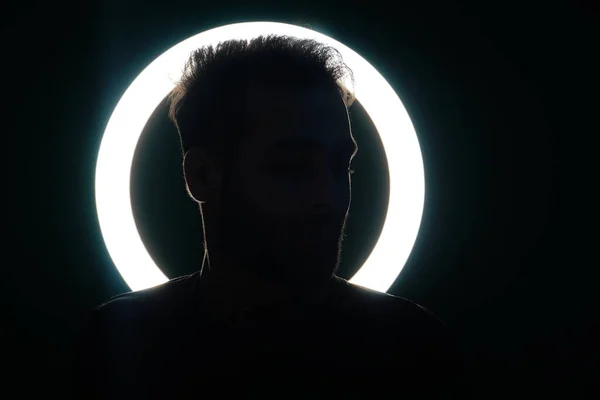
(267, 147)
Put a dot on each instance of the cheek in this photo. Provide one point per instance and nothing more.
(279, 204)
(284, 199)
(277, 199)
(271, 215)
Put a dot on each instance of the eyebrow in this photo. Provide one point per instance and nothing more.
(296, 143)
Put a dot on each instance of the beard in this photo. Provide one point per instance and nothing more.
(265, 249)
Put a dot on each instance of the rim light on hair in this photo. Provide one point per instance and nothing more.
(115, 157)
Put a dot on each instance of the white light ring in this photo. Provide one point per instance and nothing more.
(115, 157)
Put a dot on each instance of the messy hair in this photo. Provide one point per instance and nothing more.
(203, 105)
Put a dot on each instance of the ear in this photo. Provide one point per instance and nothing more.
(202, 175)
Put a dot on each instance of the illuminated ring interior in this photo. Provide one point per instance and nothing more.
(113, 168)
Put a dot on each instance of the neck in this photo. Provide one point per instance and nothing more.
(231, 290)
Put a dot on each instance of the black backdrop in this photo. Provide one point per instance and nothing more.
(498, 95)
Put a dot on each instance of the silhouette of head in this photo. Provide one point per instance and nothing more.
(267, 146)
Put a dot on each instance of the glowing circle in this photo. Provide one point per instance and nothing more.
(115, 157)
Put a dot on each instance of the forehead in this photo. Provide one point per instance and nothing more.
(313, 116)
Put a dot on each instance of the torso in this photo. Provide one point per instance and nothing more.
(184, 349)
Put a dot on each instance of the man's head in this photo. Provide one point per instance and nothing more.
(267, 146)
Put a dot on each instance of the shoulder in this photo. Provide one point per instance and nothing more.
(155, 301)
(396, 322)
(115, 339)
(386, 307)
(123, 324)
(411, 334)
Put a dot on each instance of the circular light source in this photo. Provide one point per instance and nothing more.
(115, 157)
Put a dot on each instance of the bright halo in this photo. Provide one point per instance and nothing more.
(115, 157)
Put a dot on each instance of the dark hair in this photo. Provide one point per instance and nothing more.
(203, 104)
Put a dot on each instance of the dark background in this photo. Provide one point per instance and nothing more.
(502, 99)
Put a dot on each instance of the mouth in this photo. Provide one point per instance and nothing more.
(317, 236)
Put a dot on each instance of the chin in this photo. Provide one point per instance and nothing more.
(313, 264)
(321, 273)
